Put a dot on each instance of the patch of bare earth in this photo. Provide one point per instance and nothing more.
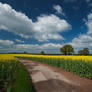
(51, 79)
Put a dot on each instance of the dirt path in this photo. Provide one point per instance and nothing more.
(51, 79)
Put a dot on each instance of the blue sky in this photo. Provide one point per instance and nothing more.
(35, 25)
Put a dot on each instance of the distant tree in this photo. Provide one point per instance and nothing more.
(42, 52)
(25, 52)
(80, 52)
(67, 49)
(85, 51)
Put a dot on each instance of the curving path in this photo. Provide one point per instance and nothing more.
(51, 79)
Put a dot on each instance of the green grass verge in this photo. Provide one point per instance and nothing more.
(14, 77)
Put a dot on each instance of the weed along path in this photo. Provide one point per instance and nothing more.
(46, 78)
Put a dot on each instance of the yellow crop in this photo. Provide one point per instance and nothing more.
(83, 63)
(12, 56)
(7, 57)
(86, 58)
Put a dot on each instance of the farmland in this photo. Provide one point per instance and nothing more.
(13, 74)
(80, 65)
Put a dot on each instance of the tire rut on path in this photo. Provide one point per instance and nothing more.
(46, 79)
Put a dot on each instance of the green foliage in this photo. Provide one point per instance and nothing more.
(42, 52)
(85, 51)
(14, 77)
(67, 49)
(80, 52)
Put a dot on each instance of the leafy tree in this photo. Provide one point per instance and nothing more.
(25, 52)
(80, 52)
(42, 52)
(85, 51)
(67, 49)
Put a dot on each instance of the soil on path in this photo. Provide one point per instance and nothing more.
(47, 78)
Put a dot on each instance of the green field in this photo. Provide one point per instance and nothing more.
(14, 77)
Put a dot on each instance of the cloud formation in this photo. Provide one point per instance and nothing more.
(49, 27)
(58, 9)
(84, 40)
(10, 46)
(19, 41)
(6, 42)
(46, 27)
(89, 24)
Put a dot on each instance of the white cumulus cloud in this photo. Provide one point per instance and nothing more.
(6, 42)
(46, 27)
(58, 9)
(10, 46)
(20, 41)
(84, 40)
(49, 27)
(89, 23)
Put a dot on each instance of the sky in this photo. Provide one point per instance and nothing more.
(45, 25)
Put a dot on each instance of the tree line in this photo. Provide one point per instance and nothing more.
(69, 50)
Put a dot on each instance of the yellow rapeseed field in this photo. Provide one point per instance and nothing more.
(80, 65)
(86, 58)
(12, 56)
(7, 57)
